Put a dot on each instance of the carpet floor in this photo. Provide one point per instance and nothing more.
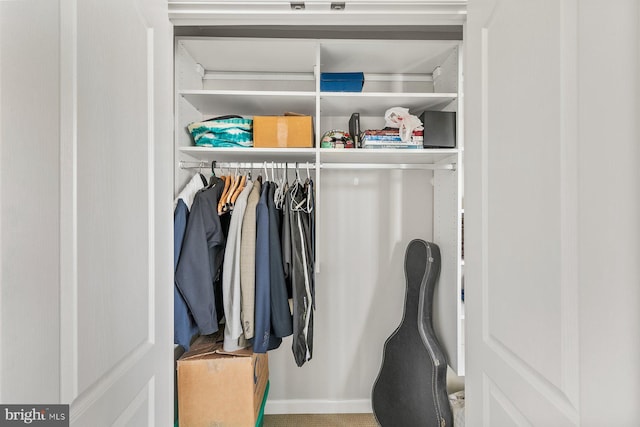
(320, 420)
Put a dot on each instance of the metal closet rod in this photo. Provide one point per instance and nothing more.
(245, 165)
(312, 165)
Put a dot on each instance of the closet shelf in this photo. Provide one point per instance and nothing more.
(253, 155)
(376, 103)
(326, 155)
(250, 103)
(390, 156)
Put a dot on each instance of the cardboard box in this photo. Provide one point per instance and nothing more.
(221, 389)
(283, 131)
(177, 352)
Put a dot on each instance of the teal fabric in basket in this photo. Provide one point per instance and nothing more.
(236, 132)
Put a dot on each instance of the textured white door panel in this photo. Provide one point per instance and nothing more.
(530, 256)
(116, 294)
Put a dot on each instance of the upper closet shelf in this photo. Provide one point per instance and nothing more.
(375, 104)
(250, 103)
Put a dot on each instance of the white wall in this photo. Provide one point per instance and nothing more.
(29, 201)
(368, 219)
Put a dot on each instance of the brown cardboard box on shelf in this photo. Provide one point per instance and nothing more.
(289, 131)
(218, 388)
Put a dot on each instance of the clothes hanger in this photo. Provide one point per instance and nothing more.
(213, 179)
(227, 185)
(202, 177)
(309, 191)
(279, 195)
(294, 192)
(304, 205)
(234, 186)
(241, 185)
(308, 174)
(236, 183)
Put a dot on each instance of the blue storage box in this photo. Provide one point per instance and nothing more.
(341, 82)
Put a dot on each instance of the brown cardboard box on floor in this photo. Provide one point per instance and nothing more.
(220, 389)
(283, 131)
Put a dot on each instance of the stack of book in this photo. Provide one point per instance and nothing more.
(390, 138)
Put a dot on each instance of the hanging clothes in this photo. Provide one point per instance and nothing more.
(301, 273)
(254, 264)
(285, 241)
(248, 262)
(201, 258)
(184, 327)
(310, 213)
(233, 333)
(281, 319)
(263, 339)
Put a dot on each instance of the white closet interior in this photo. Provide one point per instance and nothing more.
(370, 203)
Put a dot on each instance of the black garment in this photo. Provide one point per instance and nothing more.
(281, 321)
(285, 241)
(225, 222)
(311, 197)
(201, 259)
(306, 220)
(311, 238)
(301, 276)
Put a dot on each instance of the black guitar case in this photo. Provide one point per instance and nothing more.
(411, 388)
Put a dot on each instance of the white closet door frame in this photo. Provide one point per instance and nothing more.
(361, 12)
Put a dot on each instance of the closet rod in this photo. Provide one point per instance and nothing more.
(245, 165)
(309, 165)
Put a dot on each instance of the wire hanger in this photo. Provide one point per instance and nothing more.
(280, 193)
(298, 206)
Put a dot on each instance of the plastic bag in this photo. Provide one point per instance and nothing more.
(398, 117)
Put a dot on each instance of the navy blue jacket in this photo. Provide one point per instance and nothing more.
(263, 340)
(184, 327)
(201, 259)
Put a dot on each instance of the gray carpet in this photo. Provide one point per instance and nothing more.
(320, 420)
